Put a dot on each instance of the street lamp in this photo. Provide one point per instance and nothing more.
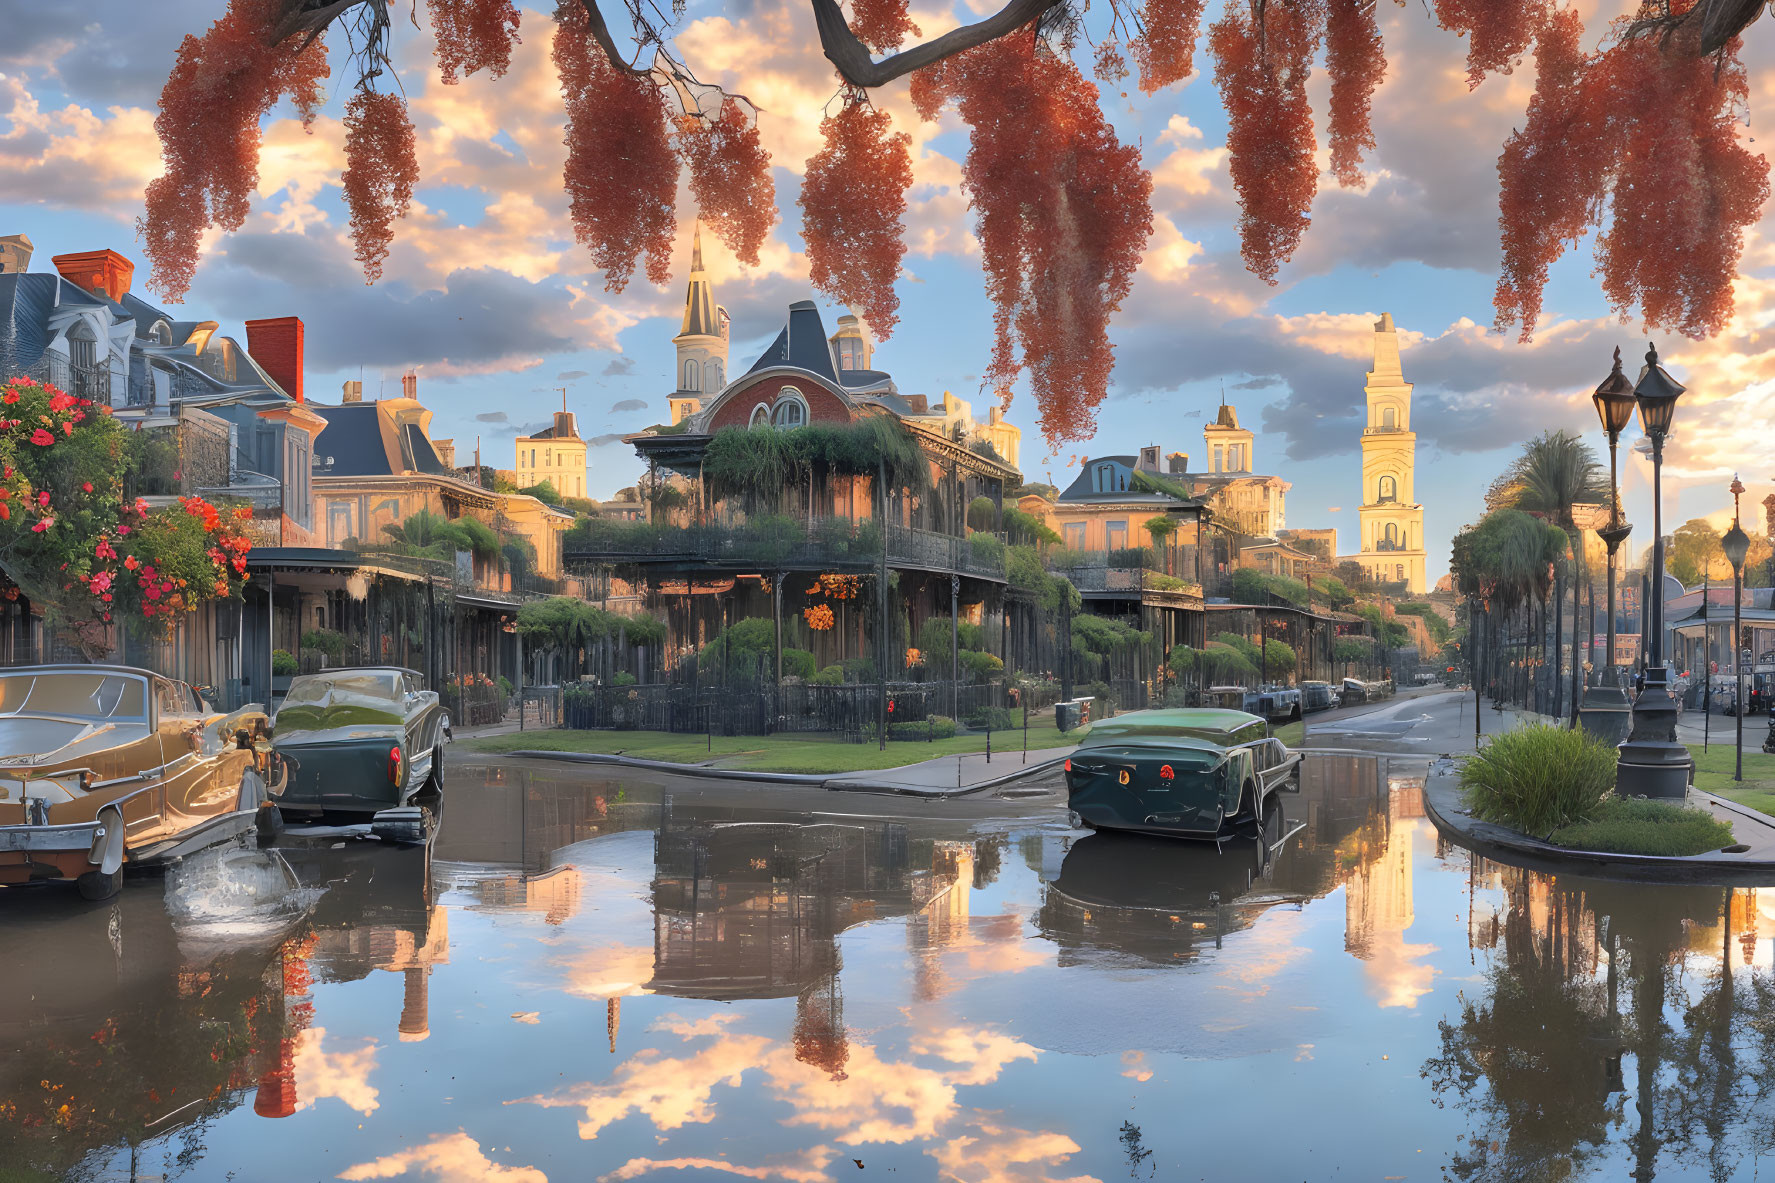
(1652, 763)
(1736, 544)
(1605, 711)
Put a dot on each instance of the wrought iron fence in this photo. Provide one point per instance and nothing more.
(761, 708)
(87, 381)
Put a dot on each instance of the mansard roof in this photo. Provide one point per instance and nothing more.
(802, 344)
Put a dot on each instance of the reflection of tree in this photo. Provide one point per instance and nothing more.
(1133, 1147)
(1530, 1061)
(1537, 1061)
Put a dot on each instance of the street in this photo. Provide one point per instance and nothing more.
(597, 973)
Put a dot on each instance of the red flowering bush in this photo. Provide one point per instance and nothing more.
(70, 541)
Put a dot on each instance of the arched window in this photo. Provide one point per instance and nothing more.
(692, 376)
(162, 333)
(1235, 459)
(1103, 479)
(790, 410)
(760, 416)
(712, 376)
(1389, 490)
(1388, 418)
(1390, 540)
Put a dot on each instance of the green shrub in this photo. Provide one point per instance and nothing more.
(986, 549)
(995, 719)
(932, 727)
(980, 666)
(1538, 778)
(283, 663)
(505, 687)
(326, 640)
(832, 675)
(1632, 825)
(622, 678)
(798, 663)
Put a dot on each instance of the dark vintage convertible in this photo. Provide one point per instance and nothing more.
(357, 744)
(1190, 773)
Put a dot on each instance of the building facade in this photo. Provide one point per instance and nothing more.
(555, 454)
(1392, 522)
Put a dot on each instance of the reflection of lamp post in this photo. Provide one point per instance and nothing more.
(1736, 544)
(1652, 763)
(1605, 711)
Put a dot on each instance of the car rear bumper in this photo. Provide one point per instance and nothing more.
(37, 853)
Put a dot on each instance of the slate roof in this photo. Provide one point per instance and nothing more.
(353, 438)
(801, 344)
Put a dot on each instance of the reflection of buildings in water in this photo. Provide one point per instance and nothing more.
(943, 921)
(1378, 903)
(554, 893)
(753, 910)
(518, 819)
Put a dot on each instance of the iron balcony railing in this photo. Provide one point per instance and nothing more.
(87, 381)
(1132, 580)
(824, 542)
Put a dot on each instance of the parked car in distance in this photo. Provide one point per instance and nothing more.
(363, 742)
(1317, 696)
(1192, 773)
(107, 765)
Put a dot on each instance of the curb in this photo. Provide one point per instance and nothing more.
(1442, 805)
(859, 785)
(834, 784)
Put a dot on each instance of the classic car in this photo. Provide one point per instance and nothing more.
(1357, 691)
(1278, 704)
(1316, 696)
(108, 765)
(360, 741)
(1193, 773)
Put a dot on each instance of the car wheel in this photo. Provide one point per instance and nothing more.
(96, 885)
(437, 769)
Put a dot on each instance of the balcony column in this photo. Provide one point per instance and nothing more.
(955, 648)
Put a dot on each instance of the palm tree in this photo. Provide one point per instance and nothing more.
(1504, 564)
(1556, 473)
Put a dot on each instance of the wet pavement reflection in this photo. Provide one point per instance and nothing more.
(587, 977)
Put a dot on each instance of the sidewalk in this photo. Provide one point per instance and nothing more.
(945, 776)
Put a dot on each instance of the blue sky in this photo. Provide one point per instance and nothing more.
(486, 294)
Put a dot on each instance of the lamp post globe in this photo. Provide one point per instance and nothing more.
(1651, 762)
(1605, 711)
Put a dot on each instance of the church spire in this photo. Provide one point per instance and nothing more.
(699, 300)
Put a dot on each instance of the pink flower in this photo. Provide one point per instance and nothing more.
(43, 498)
(123, 529)
(42, 525)
(67, 429)
(42, 438)
(87, 486)
(104, 550)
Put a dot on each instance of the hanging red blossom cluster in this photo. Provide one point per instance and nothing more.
(1165, 48)
(381, 168)
(1356, 61)
(1498, 31)
(1262, 74)
(1645, 132)
(473, 35)
(621, 174)
(1063, 211)
(882, 24)
(853, 198)
(730, 178)
(220, 87)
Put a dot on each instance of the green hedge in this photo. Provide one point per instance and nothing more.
(934, 727)
(1539, 778)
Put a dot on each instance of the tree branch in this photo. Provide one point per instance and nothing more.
(857, 67)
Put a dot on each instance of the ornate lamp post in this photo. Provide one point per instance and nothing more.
(1652, 763)
(1736, 544)
(1605, 711)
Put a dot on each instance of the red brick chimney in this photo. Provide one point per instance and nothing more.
(103, 273)
(410, 385)
(276, 344)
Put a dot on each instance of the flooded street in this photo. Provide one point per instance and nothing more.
(594, 976)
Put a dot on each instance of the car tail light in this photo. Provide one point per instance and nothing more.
(1165, 773)
(1069, 764)
(394, 765)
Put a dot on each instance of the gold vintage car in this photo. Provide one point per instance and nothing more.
(106, 765)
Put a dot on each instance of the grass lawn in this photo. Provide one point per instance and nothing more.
(1635, 826)
(1713, 774)
(774, 753)
(1291, 734)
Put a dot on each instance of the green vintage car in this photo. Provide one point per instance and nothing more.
(1190, 773)
(362, 743)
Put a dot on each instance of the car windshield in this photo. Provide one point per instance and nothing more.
(73, 694)
(319, 689)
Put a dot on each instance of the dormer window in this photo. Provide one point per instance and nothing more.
(1103, 479)
(789, 413)
(161, 333)
(760, 416)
